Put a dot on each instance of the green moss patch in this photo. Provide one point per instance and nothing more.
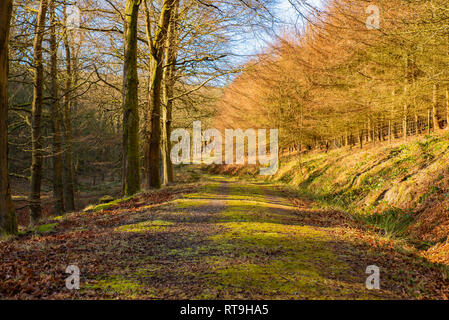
(208, 191)
(46, 228)
(117, 285)
(146, 226)
(256, 211)
(280, 262)
(109, 205)
(190, 203)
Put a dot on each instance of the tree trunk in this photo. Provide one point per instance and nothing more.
(169, 76)
(158, 54)
(36, 131)
(447, 109)
(366, 127)
(69, 196)
(390, 132)
(436, 124)
(369, 131)
(417, 130)
(131, 151)
(56, 118)
(8, 220)
(405, 119)
(380, 133)
(147, 134)
(361, 139)
(164, 146)
(350, 141)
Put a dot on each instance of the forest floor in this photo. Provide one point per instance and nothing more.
(219, 238)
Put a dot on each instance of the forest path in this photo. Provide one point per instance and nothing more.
(247, 240)
(229, 239)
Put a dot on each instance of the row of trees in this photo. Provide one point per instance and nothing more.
(339, 81)
(96, 86)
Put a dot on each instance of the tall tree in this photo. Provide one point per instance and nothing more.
(131, 151)
(55, 117)
(68, 192)
(169, 83)
(435, 117)
(8, 221)
(157, 52)
(36, 131)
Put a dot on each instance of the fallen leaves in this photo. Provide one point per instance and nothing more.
(174, 252)
(32, 266)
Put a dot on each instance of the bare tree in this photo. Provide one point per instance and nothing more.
(131, 151)
(157, 52)
(36, 132)
(169, 83)
(68, 176)
(56, 116)
(8, 222)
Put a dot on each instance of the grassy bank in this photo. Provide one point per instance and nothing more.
(402, 190)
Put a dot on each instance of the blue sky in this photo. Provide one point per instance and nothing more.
(288, 16)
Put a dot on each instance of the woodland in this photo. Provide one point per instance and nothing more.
(92, 90)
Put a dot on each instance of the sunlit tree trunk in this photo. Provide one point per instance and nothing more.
(157, 49)
(447, 109)
(417, 130)
(380, 133)
(405, 119)
(361, 139)
(369, 130)
(435, 118)
(147, 135)
(8, 221)
(415, 108)
(171, 56)
(131, 151)
(55, 117)
(390, 132)
(36, 131)
(164, 146)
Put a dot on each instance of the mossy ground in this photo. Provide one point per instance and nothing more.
(244, 240)
(228, 239)
(399, 189)
(146, 226)
(46, 228)
(108, 205)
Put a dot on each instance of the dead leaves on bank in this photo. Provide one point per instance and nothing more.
(33, 265)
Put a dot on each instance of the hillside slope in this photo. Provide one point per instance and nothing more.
(402, 188)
